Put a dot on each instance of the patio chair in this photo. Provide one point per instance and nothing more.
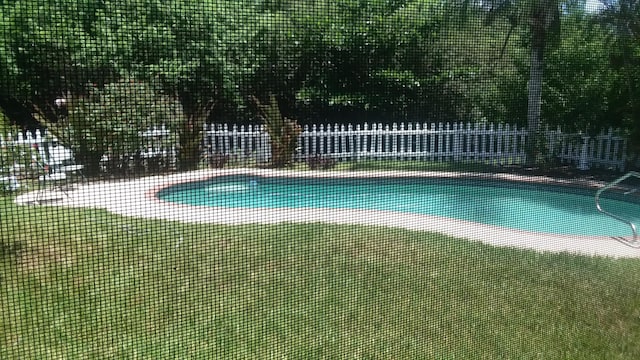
(51, 179)
(58, 169)
(60, 162)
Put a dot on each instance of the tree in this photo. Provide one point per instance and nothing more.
(621, 19)
(109, 121)
(194, 71)
(373, 61)
(282, 131)
(579, 82)
(53, 51)
(542, 20)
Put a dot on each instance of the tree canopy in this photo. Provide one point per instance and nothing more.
(332, 60)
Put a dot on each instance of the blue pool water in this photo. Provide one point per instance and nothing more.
(538, 208)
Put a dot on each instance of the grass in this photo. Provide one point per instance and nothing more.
(89, 284)
(480, 166)
(416, 165)
(405, 165)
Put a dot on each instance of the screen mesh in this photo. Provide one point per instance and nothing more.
(320, 179)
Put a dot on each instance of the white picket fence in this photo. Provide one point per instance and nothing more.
(605, 150)
(20, 147)
(502, 144)
(433, 142)
(244, 142)
(152, 140)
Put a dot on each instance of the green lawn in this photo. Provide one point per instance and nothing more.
(417, 165)
(487, 166)
(78, 284)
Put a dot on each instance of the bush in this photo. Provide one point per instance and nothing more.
(217, 160)
(18, 159)
(321, 162)
(109, 121)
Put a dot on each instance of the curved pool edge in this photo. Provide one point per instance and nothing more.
(137, 198)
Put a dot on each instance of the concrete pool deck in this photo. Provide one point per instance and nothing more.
(137, 198)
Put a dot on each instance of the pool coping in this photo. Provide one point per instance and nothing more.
(137, 198)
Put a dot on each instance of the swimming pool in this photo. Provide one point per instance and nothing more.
(537, 208)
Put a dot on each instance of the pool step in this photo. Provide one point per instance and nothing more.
(631, 242)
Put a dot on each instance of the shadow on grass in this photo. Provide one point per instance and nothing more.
(10, 248)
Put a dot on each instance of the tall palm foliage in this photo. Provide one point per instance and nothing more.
(542, 20)
(622, 19)
(282, 131)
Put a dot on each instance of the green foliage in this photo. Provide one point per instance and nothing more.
(621, 19)
(329, 60)
(581, 60)
(48, 52)
(191, 66)
(283, 132)
(18, 159)
(109, 121)
(4, 123)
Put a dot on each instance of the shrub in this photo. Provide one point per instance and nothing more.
(109, 121)
(217, 160)
(321, 162)
(19, 159)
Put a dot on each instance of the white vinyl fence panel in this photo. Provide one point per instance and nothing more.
(605, 150)
(428, 141)
(242, 142)
(502, 144)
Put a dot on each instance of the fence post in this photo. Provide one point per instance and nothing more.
(583, 163)
(313, 139)
(352, 139)
(356, 136)
(456, 140)
(263, 153)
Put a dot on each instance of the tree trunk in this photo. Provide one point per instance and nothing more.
(190, 140)
(535, 97)
(190, 133)
(91, 162)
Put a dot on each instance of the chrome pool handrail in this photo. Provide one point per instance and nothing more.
(633, 243)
